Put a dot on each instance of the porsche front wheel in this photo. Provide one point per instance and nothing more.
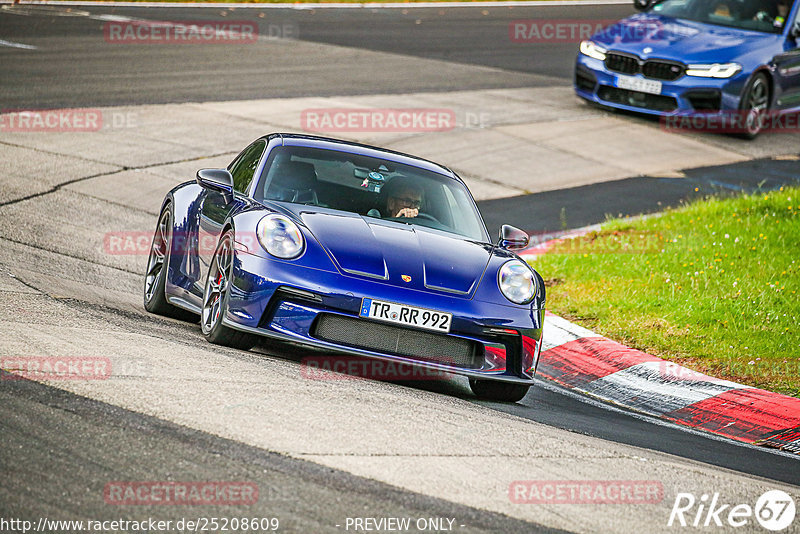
(215, 298)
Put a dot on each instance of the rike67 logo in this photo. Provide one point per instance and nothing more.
(774, 511)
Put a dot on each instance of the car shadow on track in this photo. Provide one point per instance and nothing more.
(320, 365)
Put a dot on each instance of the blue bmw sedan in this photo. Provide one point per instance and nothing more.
(734, 58)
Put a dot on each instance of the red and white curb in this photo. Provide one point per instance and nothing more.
(588, 363)
(583, 361)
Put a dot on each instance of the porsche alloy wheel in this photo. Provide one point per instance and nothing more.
(155, 278)
(215, 299)
(755, 106)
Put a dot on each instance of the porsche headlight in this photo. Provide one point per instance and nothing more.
(280, 236)
(713, 70)
(517, 282)
(588, 48)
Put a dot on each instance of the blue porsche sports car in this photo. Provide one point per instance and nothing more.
(353, 250)
(735, 58)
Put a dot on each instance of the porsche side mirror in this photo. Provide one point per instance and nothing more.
(217, 180)
(513, 238)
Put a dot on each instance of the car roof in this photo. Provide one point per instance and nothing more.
(313, 141)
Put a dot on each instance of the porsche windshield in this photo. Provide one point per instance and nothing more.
(759, 15)
(371, 187)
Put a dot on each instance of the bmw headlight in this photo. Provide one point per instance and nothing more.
(713, 70)
(588, 48)
(517, 282)
(280, 236)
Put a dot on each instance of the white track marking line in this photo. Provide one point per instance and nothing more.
(40, 9)
(17, 45)
(111, 18)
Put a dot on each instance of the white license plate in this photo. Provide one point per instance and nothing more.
(392, 312)
(639, 84)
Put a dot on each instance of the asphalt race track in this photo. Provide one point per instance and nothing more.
(113, 75)
(177, 408)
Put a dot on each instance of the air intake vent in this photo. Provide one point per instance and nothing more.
(399, 341)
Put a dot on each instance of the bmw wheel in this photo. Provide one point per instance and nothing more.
(215, 298)
(755, 106)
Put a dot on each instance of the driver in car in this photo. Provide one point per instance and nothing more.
(404, 199)
(776, 15)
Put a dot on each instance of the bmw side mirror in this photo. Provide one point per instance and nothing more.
(794, 33)
(513, 238)
(219, 180)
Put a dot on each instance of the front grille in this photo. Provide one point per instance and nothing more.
(662, 70)
(652, 68)
(637, 99)
(399, 341)
(623, 64)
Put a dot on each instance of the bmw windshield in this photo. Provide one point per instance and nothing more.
(758, 15)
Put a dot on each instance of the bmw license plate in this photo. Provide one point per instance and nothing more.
(639, 84)
(392, 312)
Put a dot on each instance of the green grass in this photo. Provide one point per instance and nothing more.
(713, 285)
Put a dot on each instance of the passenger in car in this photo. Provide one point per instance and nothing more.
(723, 10)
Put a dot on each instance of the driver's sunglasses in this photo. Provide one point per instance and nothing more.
(409, 202)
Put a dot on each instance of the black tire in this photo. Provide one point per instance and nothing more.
(155, 278)
(215, 297)
(754, 105)
(498, 391)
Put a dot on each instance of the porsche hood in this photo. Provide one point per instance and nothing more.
(404, 255)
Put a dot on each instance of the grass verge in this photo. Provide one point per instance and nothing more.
(713, 285)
